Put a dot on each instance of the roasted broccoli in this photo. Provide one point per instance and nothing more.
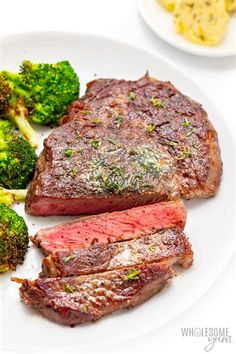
(51, 87)
(17, 158)
(13, 97)
(9, 196)
(13, 239)
(40, 93)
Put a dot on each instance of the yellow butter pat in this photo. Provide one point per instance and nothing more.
(202, 21)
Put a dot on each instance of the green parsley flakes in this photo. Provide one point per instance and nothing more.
(190, 133)
(96, 143)
(186, 123)
(186, 154)
(152, 247)
(84, 308)
(171, 143)
(96, 121)
(112, 141)
(132, 274)
(132, 95)
(150, 128)
(68, 152)
(74, 171)
(118, 120)
(85, 112)
(69, 288)
(78, 135)
(68, 258)
(156, 102)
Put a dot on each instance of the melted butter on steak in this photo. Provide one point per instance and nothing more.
(135, 170)
(124, 144)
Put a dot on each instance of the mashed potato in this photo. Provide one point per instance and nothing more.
(168, 4)
(201, 21)
(230, 5)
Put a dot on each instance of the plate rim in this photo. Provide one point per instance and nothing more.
(22, 35)
(191, 50)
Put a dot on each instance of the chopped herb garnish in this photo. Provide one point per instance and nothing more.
(78, 135)
(86, 112)
(132, 274)
(74, 171)
(190, 133)
(68, 258)
(186, 123)
(194, 146)
(152, 248)
(147, 186)
(79, 151)
(112, 141)
(132, 95)
(115, 144)
(145, 165)
(171, 143)
(156, 102)
(96, 121)
(118, 120)
(148, 161)
(69, 288)
(150, 128)
(186, 154)
(68, 152)
(114, 179)
(96, 143)
(85, 308)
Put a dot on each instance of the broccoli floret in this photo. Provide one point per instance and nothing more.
(52, 88)
(17, 159)
(13, 97)
(14, 239)
(9, 196)
(40, 92)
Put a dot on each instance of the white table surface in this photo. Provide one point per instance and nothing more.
(120, 20)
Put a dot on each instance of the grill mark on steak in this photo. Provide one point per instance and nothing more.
(76, 300)
(169, 245)
(112, 227)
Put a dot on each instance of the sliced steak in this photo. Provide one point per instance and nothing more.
(111, 227)
(76, 300)
(125, 144)
(168, 245)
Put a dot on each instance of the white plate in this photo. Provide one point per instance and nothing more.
(209, 225)
(161, 22)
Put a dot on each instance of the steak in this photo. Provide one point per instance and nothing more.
(126, 144)
(111, 227)
(76, 300)
(169, 245)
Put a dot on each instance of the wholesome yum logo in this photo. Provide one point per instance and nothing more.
(212, 334)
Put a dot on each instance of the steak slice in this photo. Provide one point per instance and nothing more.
(111, 227)
(125, 144)
(169, 245)
(76, 300)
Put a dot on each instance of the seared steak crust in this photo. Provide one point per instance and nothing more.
(76, 300)
(124, 144)
(169, 245)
